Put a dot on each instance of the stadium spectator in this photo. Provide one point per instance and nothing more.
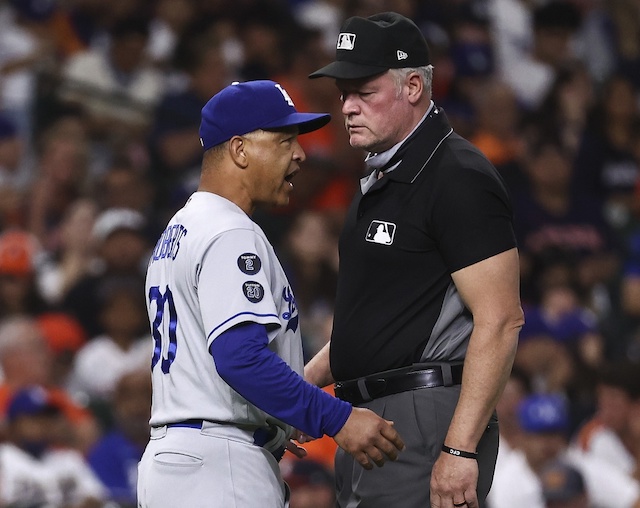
(63, 266)
(611, 436)
(25, 360)
(563, 487)
(121, 249)
(544, 419)
(27, 49)
(124, 345)
(117, 88)
(174, 143)
(61, 176)
(169, 24)
(33, 471)
(18, 289)
(13, 172)
(550, 216)
(496, 133)
(64, 337)
(532, 72)
(115, 457)
(518, 387)
(563, 113)
(605, 166)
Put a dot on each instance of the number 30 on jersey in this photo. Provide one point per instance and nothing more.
(164, 301)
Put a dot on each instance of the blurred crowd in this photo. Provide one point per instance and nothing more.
(99, 114)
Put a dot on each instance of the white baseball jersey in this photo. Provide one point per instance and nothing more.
(213, 268)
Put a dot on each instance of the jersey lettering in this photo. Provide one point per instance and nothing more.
(162, 300)
(292, 321)
(169, 243)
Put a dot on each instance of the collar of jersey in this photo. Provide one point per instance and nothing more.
(434, 129)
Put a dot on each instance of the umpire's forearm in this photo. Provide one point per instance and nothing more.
(486, 370)
(318, 370)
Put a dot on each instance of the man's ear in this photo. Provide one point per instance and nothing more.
(237, 151)
(415, 87)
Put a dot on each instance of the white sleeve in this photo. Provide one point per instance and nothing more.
(607, 447)
(71, 468)
(607, 487)
(235, 283)
(514, 484)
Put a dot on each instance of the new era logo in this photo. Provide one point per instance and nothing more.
(346, 41)
(401, 55)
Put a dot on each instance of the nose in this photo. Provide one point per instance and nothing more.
(349, 105)
(298, 153)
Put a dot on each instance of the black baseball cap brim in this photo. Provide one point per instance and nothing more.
(348, 70)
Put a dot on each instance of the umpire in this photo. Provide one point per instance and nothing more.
(428, 309)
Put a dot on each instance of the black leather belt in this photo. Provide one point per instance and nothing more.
(389, 382)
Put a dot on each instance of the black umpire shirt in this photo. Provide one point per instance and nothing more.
(444, 207)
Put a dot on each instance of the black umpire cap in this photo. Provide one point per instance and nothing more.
(373, 45)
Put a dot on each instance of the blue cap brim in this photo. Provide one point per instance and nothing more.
(306, 122)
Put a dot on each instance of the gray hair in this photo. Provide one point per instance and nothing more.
(425, 72)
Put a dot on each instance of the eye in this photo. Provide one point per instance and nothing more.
(357, 93)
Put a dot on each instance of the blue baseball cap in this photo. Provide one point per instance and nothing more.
(543, 413)
(241, 108)
(561, 482)
(29, 401)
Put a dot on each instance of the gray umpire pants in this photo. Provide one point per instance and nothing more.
(422, 418)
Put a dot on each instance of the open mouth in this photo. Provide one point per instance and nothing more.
(290, 176)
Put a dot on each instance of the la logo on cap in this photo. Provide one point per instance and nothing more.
(285, 95)
(346, 41)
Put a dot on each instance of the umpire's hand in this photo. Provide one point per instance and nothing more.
(368, 438)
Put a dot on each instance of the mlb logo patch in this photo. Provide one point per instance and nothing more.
(346, 41)
(381, 232)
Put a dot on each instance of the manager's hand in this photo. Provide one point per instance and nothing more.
(367, 437)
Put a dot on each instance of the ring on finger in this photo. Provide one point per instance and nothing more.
(464, 503)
